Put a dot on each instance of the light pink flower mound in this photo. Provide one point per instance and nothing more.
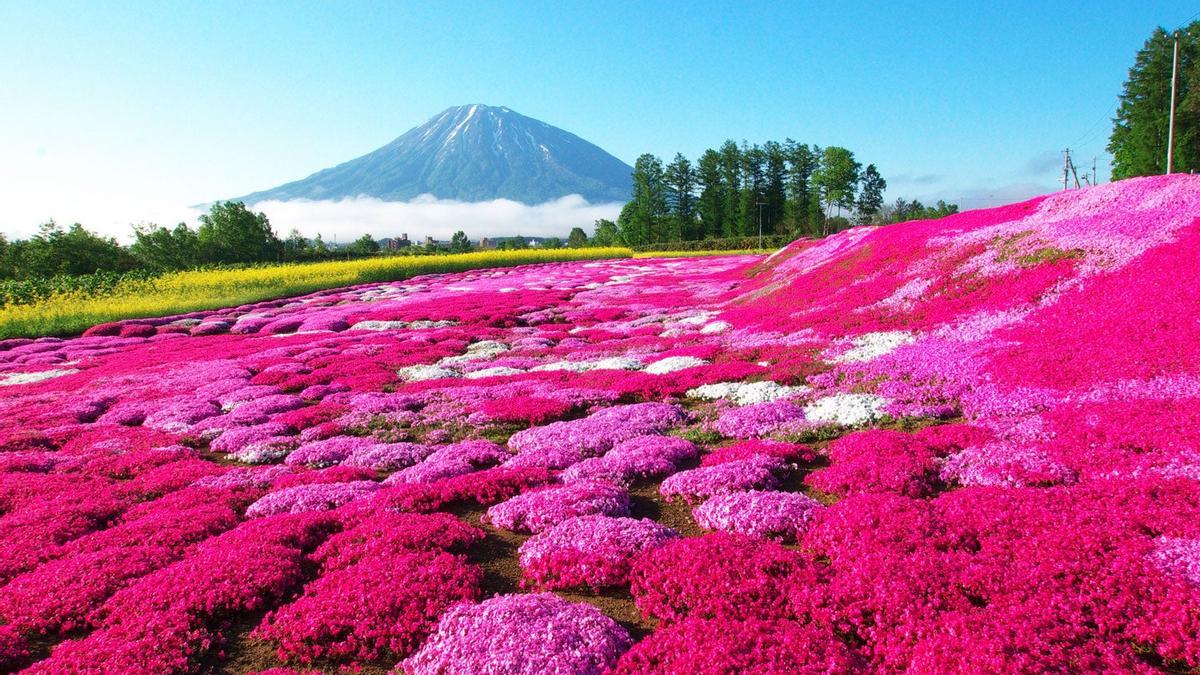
(775, 515)
(561, 444)
(313, 497)
(754, 421)
(758, 472)
(521, 635)
(451, 460)
(535, 511)
(592, 551)
(640, 458)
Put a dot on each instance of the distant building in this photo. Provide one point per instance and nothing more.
(430, 242)
(397, 243)
(484, 242)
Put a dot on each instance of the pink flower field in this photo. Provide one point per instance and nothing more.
(962, 445)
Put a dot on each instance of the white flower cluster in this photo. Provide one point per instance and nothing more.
(846, 409)
(401, 325)
(746, 393)
(476, 351)
(674, 363)
(418, 373)
(28, 378)
(873, 345)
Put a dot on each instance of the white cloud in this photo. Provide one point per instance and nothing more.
(344, 219)
(437, 218)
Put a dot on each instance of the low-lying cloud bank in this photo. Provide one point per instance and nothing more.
(438, 218)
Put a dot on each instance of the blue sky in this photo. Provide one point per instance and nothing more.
(112, 113)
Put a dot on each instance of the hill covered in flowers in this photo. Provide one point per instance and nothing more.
(960, 445)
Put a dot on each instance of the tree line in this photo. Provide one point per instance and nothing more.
(229, 234)
(777, 189)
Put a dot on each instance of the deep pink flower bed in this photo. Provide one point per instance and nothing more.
(980, 434)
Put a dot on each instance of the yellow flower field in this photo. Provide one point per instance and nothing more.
(180, 292)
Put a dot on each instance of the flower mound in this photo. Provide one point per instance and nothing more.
(521, 634)
(378, 606)
(716, 647)
(723, 576)
(757, 472)
(879, 461)
(774, 515)
(592, 551)
(637, 459)
(535, 511)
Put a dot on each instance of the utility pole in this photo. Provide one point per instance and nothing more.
(760, 205)
(1095, 176)
(1069, 169)
(1171, 124)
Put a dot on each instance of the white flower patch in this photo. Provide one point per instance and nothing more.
(873, 345)
(301, 332)
(715, 327)
(846, 409)
(906, 295)
(498, 371)
(698, 319)
(747, 393)
(674, 363)
(426, 323)
(573, 366)
(477, 351)
(380, 325)
(610, 363)
(617, 363)
(29, 378)
(418, 373)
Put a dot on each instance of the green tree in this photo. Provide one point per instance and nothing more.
(1139, 137)
(231, 233)
(459, 242)
(731, 176)
(754, 191)
(606, 233)
(798, 212)
(774, 187)
(73, 251)
(364, 245)
(836, 177)
(680, 180)
(295, 247)
(870, 194)
(160, 249)
(643, 222)
(552, 242)
(577, 238)
(903, 211)
(710, 205)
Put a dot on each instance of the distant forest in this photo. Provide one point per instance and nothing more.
(790, 189)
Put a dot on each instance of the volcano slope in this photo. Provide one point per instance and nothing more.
(963, 445)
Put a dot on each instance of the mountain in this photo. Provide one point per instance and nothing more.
(471, 153)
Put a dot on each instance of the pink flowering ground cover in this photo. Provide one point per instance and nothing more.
(960, 445)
